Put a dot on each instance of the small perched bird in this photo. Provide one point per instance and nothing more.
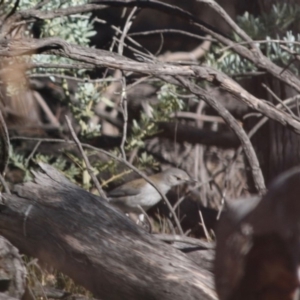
(129, 196)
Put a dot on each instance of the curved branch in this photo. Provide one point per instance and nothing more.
(102, 58)
(234, 125)
(161, 6)
(254, 55)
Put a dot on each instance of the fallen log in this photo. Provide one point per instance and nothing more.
(12, 272)
(84, 237)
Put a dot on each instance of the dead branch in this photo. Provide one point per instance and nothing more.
(193, 55)
(83, 236)
(102, 58)
(254, 55)
(235, 126)
(86, 160)
(4, 145)
(12, 271)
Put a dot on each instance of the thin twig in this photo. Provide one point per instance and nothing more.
(5, 186)
(204, 226)
(125, 116)
(160, 45)
(118, 30)
(127, 26)
(121, 160)
(235, 126)
(223, 14)
(112, 60)
(33, 152)
(198, 186)
(199, 158)
(147, 218)
(280, 101)
(72, 78)
(223, 199)
(265, 119)
(268, 41)
(14, 9)
(123, 103)
(115, 177)
(87, 163)
(186, 33)
(42, 4)
(296, 57)
(146, 178)
(44, 106)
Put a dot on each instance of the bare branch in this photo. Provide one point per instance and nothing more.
(161, 6)
(121, 160)
(107, 59)
(234, 125)
(87, 163)
(254, 55)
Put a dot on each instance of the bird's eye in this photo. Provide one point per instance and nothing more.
(178, 178)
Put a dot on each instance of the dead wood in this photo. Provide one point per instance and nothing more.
(5, 297)
(102, 58)
(12, 272)
(84, 237)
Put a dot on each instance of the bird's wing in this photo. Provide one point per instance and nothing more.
(122, 191)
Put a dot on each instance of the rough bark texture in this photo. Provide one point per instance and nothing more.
(83, 236)
(5, 297)
(12, 272)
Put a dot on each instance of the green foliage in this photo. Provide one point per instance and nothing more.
(147, 160)
(279, 55)
(86, 97)
(169, 102)
(73, 29)
(253, 26)
(78, 29)
(28, 4)
(20, 161)
(109, 166)
(273, 26)
(277, 21)
(228, 61)
(71, 171)
(270, 31)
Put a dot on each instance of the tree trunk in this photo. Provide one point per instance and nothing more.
(81, 235)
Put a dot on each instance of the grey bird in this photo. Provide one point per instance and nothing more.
(129, 196)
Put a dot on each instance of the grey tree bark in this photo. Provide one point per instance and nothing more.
(84, 237)
(12, 272)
